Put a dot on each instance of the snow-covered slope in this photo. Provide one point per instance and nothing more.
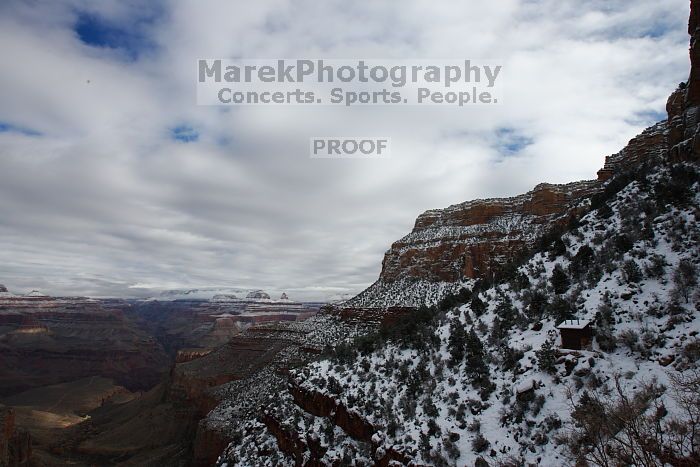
(486, 381)
(480, 377)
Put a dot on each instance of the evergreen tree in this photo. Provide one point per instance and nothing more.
(537, 303)
(506, 311)
(558, 248)
(477, 305)
(477, 369)
(631, 271)
(560, 309)
(457, 342)
(559, 280)
(547, 356)
(581, 260)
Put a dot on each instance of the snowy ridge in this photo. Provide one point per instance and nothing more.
(403, 292)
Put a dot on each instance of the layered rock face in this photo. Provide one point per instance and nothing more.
(471, 240)
(45, 340)
(198, 324)
(650, 145)
(246, 374)
(682, 106)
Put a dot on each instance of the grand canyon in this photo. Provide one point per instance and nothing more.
(456, 355)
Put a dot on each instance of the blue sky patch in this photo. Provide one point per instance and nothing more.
(646, 118)
(510, 142)
(184, 134)
(10, 128)
(130, 38)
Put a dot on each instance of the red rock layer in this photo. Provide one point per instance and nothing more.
(472, 239)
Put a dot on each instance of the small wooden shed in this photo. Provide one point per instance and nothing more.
(576, 334)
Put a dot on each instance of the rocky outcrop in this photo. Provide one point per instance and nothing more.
(683, 105)
(305, 448)
(15, 445)
(3, 289)
(258, 295)
(321, 405)
(236, 360)
(382, 318)
(209, 443)
(471, 240)
(692, 95)
(646, 147)
(187, 355)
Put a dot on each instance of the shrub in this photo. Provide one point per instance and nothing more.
(536, 303)
(629, 338)
(605, 338)
(480, 444)
(631, 271)
(620, 427)
(558, 248)
(675, 190)
(656, 267)
(510, 357)
(685, 277)
(605, 211)
(623, 243)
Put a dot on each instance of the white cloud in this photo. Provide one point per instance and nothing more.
(106, 199)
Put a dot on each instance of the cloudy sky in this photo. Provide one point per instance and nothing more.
(113, 182)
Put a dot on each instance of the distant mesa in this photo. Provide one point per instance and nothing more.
(224, 298)
(3, 289)
(258, 295)
(36, 293)
(284, 296)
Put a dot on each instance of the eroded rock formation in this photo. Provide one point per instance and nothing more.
(15, 445)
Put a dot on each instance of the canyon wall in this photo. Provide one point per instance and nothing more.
(46, 340)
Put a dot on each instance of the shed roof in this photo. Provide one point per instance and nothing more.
(574, 324)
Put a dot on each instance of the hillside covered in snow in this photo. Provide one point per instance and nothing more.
(559, 327)
(481, 379)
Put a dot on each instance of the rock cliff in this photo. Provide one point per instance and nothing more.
(15, 445)
(469, 240)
